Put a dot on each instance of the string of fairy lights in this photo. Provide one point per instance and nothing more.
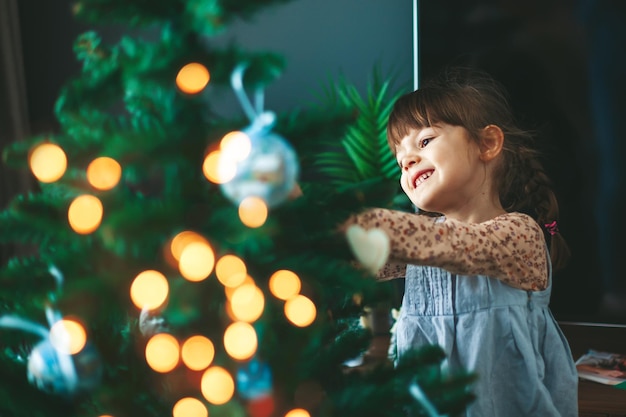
(196, 261)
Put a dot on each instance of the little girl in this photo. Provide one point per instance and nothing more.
(478, 270)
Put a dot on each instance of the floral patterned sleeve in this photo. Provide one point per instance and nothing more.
(509, 247)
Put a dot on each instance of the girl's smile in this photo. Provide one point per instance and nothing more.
(421, 176)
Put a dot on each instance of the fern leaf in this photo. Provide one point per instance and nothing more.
(363, 153)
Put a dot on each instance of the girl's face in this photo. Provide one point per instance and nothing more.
(442, 172)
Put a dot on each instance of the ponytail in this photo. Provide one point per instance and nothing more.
(525, 187)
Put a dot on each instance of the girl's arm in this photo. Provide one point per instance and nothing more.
(509, 247)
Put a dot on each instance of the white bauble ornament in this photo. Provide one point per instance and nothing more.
(52, 368)
(269, 171)
(56, 372)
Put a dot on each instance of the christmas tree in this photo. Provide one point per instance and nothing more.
(168, 264)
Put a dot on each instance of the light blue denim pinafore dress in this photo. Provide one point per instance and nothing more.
(507, 336)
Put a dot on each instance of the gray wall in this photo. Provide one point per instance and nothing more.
(319, 39)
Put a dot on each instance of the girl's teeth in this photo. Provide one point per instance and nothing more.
(422, 178)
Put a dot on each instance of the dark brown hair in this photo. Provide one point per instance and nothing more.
(473, 100)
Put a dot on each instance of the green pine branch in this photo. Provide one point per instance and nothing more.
(362, 153)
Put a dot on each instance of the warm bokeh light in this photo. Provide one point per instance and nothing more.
(240, 340)
(162, 352)
(300, 310)
(68, 336)
(196, 261)
(85, 214)
(235, 146)
(197, 352)
(284, 284)
(217, 385)
(231, 290)
(48, 162)
(230, 270)
(104, 173)
(192, 78)
(218, 169)
(298, 412)
(220, 166)
(247, 302)
(149, 290)
(181, 240)
(189, 407)
(253, 211)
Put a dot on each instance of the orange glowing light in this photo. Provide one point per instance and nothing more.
(85, 214)
(219, 169)
(104, 173)
(162, 352)
(231, 271)
(149, 290)
(240, 340)
(247, 302)
(189, 407)
(231, 290)
(298, 412)
(192, 78)
(48, 162)
(253, 212)
(68, 336)
(196, 261)
(181, 240)
(197, 352)
(217, 385)
(284, 284)
(300, 310)
(235, 146)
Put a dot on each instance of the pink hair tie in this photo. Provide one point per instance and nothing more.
(552, 228)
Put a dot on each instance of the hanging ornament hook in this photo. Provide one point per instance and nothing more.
(52, 316)
(57, 275)
(261, 120)
(268, 169)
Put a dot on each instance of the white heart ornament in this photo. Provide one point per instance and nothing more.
(370, 247)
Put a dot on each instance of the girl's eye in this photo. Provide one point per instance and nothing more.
(424, 142)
